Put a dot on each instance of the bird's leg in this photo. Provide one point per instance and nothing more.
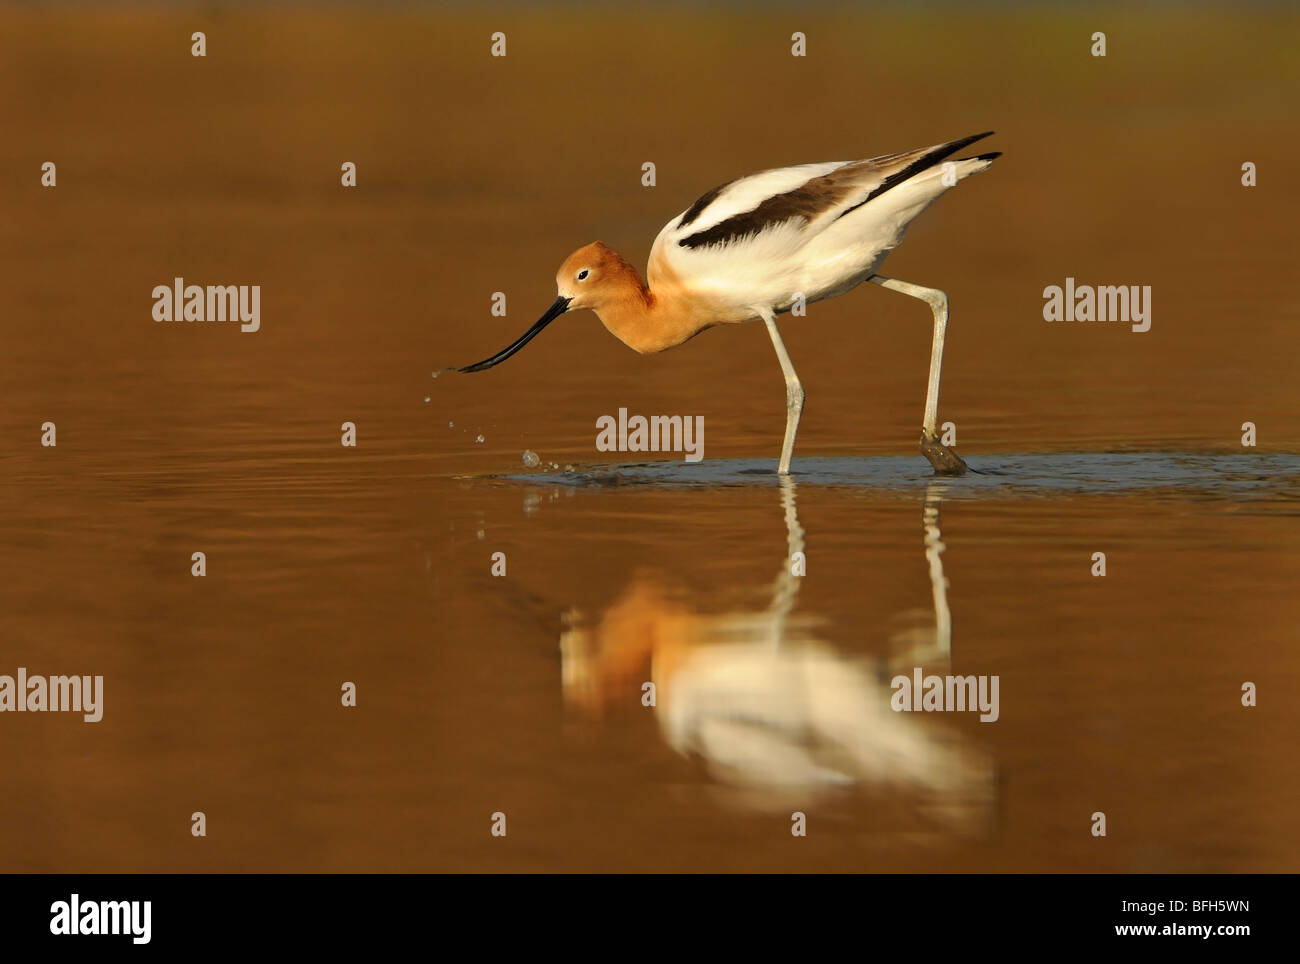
(793, 392)
(944, 459)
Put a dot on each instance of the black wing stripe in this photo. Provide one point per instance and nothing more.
(705, 199)
(805, 201)
(922, 163)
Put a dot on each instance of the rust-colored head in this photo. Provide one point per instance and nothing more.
(596, 277)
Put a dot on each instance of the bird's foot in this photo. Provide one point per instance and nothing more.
(944, 459)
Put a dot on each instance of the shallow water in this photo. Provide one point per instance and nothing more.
(1187, 475)
(1116, 693)
(521, 693)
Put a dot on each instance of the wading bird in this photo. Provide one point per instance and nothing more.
(753, 247)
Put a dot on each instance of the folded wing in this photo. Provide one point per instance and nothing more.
(808, 198)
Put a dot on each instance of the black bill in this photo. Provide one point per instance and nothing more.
(558, 307)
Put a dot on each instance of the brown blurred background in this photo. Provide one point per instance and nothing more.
(479, 174)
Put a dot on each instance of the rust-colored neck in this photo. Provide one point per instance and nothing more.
(647, 321)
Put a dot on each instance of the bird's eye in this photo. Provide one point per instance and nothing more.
(582, 275)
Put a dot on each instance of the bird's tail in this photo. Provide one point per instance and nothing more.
(935, 159)
(967, 166)
(932, 173)
(932, 159)
(917, 180)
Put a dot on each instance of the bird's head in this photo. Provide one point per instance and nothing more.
(592, 277)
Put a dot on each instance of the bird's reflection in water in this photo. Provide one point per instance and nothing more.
(778, 716)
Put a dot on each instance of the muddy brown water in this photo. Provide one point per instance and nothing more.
(522, 693)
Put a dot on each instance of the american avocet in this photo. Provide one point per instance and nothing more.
(753, 247)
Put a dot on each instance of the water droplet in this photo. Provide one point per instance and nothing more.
(530, 459)
(426, 399)
(451, 424)
(479, 439)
